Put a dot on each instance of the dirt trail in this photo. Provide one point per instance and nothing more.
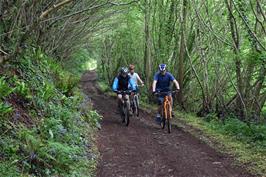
(144, 150)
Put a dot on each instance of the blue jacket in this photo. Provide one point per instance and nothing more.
(124, 84)
(163, 81)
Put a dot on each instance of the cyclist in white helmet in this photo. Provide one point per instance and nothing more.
(161, 83)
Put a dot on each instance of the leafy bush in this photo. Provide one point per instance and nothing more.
(244, 131)
(103, 86)
(7, 168)
(47, 91)
(57, 143)
(67, 83)
(92, 117)
(22, 89)
(5, 109)
(250, 133)
(5, 90)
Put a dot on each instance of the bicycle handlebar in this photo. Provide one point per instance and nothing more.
(164, 93)
(125, 91)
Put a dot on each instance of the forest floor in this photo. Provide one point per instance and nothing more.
(144, 149)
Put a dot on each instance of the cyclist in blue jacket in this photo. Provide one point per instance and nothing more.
(123, 82)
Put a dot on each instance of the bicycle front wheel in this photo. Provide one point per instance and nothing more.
(122, 114)
(169, 126)
(163, 123)
(126, 116)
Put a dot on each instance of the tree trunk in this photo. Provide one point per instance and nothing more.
(240, 103)
(147, 50)
(182, 53)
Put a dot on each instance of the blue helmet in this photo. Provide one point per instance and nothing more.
(162, 67)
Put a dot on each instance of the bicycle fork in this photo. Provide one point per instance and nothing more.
(167, 108)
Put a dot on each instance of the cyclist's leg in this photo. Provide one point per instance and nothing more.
(119, 98)
(137, 89)
(131, 97)
(136, 96)
(137, 99)
(159, 111)
(160, 104)
(172, 103)
(119, 101)
(126, 97)
(128, 103)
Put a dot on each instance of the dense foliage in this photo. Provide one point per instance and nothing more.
(216, 50)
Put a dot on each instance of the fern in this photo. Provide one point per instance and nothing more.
(5, 90)
(5, 109)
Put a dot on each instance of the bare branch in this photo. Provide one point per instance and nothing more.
(253, 35)
(76, 13)
(257, 18)
(261, 10)
(54, 7)
(123, 4)
(2, 51)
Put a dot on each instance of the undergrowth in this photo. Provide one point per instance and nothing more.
(45, 125)
(246, 142)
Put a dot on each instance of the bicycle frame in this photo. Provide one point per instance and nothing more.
(167, 102)
(134, 103)
(167, 107)
(124, 106)
(123, 93)
(166, 111)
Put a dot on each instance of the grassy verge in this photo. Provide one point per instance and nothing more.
(247, 144)
(46, 124)
(104, 87)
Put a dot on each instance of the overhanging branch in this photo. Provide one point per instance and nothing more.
(54, 7)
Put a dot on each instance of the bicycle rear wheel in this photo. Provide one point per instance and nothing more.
(137, 106)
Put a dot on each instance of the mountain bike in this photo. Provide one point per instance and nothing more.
(124, 107)
(134, 101)
(166, 109)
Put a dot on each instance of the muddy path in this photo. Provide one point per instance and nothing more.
(145, 150)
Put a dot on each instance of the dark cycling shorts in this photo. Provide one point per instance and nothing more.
(137, 89)
(160, 98)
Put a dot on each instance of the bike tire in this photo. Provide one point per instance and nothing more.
(163, 123)
(137, 106)
(137, 111)
(122, 114)
(126, 116)
(169, 126)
